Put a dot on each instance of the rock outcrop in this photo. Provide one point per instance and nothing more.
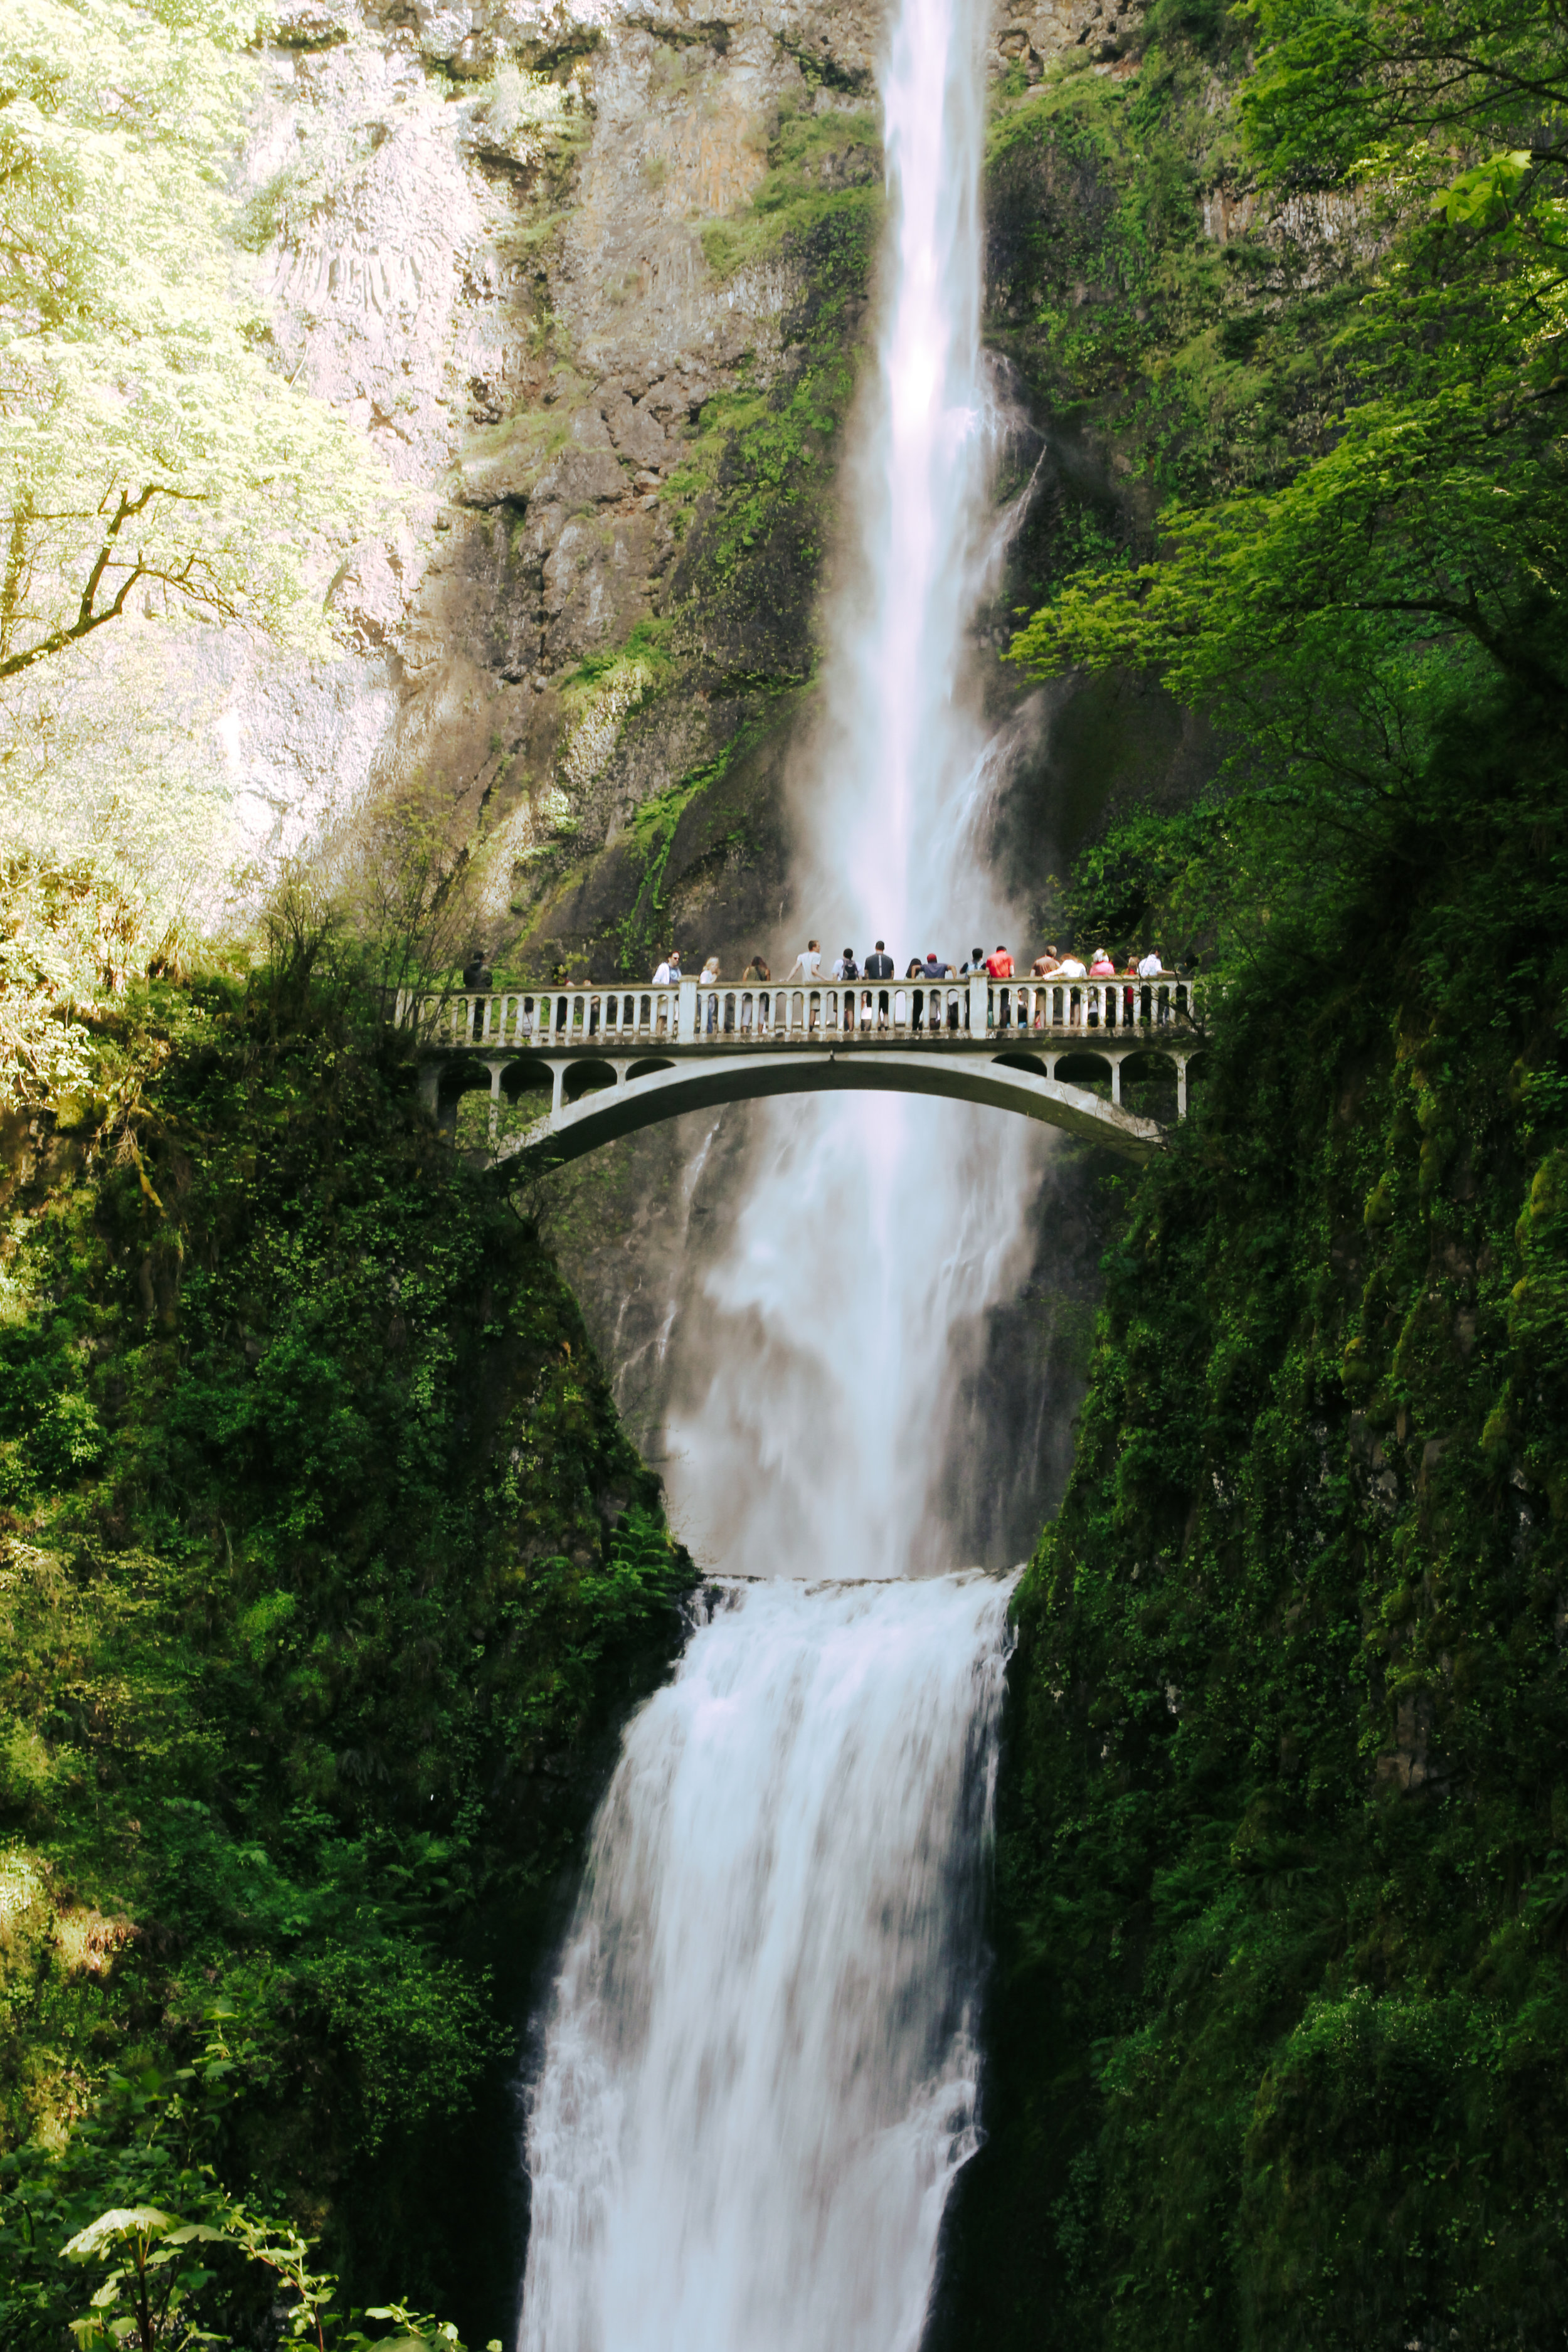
(568, 266)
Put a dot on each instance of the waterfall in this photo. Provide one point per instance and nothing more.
(758, 2076)
(813, 1417)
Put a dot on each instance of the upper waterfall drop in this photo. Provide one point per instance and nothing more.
(896, 690)
(838, 1326)
(903, 743)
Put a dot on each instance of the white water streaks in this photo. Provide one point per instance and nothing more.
(815, 1387)
(758, 2077)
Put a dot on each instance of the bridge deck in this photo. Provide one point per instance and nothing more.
(621, 1058)
(748, 1012)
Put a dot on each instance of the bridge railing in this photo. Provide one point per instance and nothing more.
(1066, 1007)
(632, 1019)
(576, 1015)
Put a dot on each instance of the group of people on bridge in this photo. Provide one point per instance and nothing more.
(1010, 1004)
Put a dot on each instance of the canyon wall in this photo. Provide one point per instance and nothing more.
(592, 281)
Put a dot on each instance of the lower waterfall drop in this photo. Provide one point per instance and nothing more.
(759, 2076)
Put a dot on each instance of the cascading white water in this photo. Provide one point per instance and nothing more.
(813, 1401)
(759, 2076)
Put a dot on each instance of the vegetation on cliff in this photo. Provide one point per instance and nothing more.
(1283, 1864)
(326, 1575)
(146, 446)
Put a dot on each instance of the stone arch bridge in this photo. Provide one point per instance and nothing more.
(614, 1059)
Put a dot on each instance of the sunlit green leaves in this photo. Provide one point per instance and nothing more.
(1336, 78)
(143, 437)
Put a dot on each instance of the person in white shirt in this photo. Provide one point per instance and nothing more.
(661, 977)
(1072, 967)
(808, 964)
(1152, 967)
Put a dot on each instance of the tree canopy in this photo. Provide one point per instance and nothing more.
(146, 443)
(1330, 621)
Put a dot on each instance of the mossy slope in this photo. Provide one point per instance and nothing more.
(328, 1576)
(1283, 1871)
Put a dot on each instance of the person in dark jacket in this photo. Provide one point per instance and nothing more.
(879, 966)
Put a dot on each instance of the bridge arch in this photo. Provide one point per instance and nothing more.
(666, 1090)
(588, 1076)
(623, 1056)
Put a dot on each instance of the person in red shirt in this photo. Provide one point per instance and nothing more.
(1000, 966)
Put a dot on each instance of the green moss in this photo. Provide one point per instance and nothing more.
(1282, 1881)
(810, 161)
(647, 650)
(651, 838)
(324, 1571)
(532, 437)
(1205, 362)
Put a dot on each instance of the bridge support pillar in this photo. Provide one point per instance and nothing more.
(1116, 1081)
(429, 1086)
(557, 1087)
(495, 1069)
(1180, 1086)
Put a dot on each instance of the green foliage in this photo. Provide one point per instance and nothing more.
(1324, 617)
(1336, 84)
(1281, 1867)
(820, 167)
(1280, 1883)
(324, 1569)
(157, 2278)
(146, 443)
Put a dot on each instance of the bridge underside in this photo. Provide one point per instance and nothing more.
(1015, 1082)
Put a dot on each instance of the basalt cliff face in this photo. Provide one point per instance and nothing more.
(595, 281)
